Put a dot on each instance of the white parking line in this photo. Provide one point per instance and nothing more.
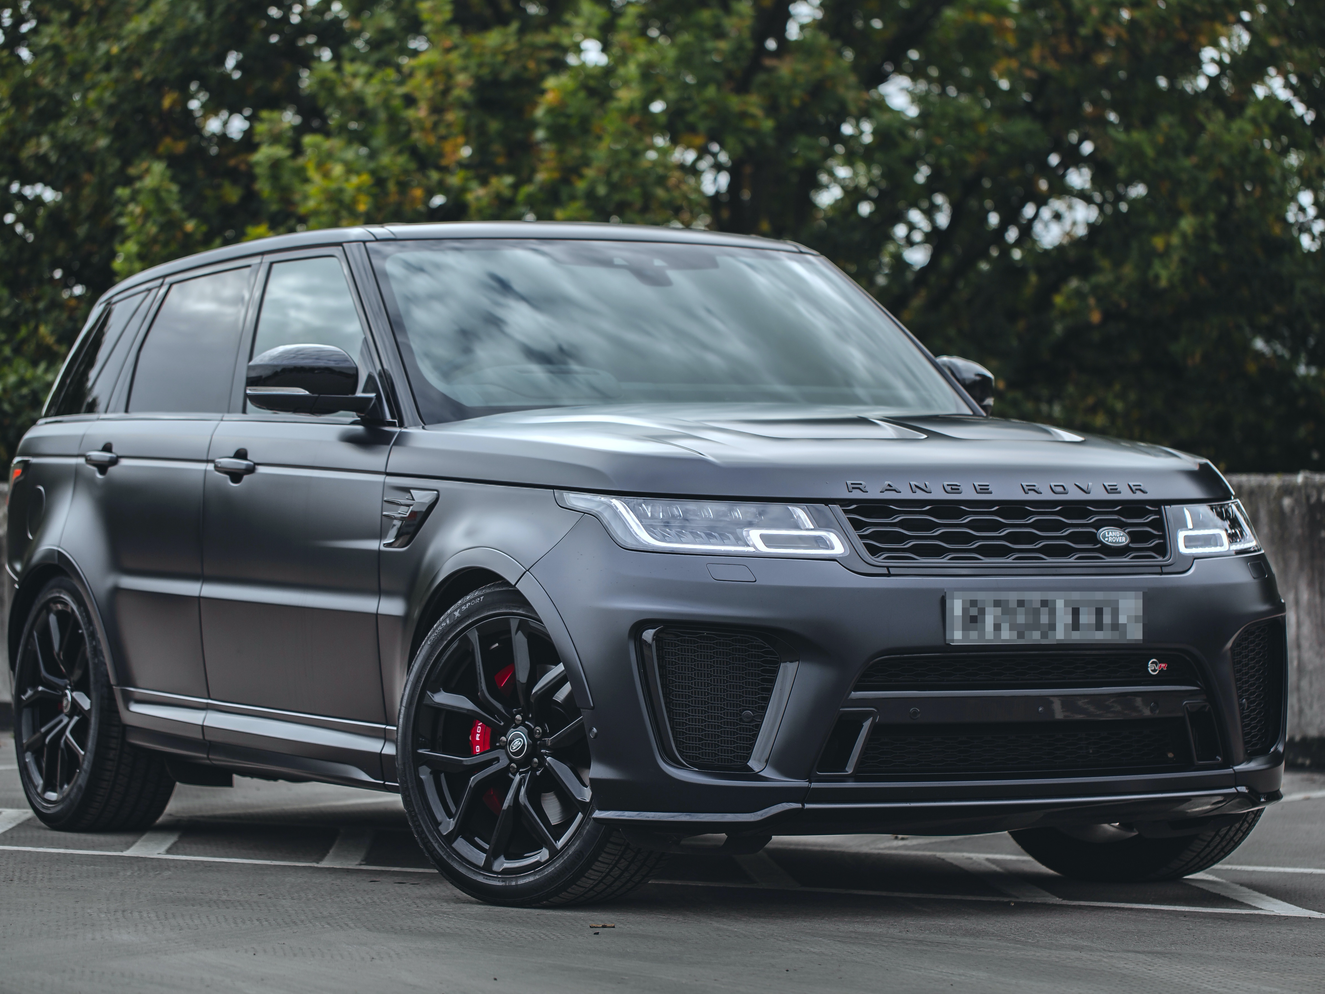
(350, 848)
(12, 817)
(209, 859)
(1276, 909)
(1236, 892)
(155, 842)
(1000, 879)
(764, 870)
(987, 898)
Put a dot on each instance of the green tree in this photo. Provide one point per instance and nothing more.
(125, 140)
(1115, 206)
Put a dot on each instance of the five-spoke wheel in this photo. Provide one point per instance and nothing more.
(78, 770)
(53, 699)
(493, 755)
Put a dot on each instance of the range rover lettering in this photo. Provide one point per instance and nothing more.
(590, 540)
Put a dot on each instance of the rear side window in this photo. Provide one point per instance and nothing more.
(88, 379)
(187, 363)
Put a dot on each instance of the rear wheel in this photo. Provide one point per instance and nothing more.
(493, 760)
(78, 771)
(1115, 854)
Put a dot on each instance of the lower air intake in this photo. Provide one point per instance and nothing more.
(715, 688)
(1040, 749)
(1258, 670)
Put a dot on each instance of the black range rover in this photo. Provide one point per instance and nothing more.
(592, 540)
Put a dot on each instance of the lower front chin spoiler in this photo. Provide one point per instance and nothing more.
(1151, 814)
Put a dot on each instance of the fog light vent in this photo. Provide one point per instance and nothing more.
(1258, 669)
(715, 688)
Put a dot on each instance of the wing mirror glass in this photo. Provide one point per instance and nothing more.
(306, 379)
(974, 379)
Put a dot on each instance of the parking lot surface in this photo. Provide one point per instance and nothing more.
(304, 887)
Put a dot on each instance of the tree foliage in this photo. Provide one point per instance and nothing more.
(1114, 206)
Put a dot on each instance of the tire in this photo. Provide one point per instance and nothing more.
(493, 763)
(78, 771)
(1135, 858)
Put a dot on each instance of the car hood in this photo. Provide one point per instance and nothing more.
(798, 453)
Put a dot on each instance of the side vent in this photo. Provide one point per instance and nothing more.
(719, 695)
(1259, 655)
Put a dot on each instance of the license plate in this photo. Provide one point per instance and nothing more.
(1028, 616)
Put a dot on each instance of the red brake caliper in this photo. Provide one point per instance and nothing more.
(480, 740)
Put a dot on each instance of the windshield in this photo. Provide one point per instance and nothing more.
(502, 325)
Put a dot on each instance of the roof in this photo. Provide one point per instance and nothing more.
(453, 230)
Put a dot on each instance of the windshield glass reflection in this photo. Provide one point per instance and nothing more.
(489, 326)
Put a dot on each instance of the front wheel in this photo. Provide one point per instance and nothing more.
(1116, 855)
(493, 761)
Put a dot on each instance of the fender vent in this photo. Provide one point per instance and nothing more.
(715, 688)
(1258, 670)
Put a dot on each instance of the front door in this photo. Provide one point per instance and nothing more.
(290, 586)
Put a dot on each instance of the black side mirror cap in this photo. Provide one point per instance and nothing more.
(974, 379)
(306, 379)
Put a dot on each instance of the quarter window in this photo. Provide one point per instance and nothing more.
(87, 382)
(187, 363)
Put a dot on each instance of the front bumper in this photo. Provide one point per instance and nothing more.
(837, 621)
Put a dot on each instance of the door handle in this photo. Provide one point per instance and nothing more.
(236, 467)
(102, 459)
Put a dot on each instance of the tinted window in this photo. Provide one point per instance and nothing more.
(90, 375)
(187, 363)
(308, 302)
(492, 326)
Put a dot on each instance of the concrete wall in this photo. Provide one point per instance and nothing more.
(1288, 513)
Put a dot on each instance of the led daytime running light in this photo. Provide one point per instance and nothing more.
(712, 527)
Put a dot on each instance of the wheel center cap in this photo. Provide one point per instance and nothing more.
(66, 701)
(517, 745)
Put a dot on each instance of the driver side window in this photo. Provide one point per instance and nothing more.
(308, 302)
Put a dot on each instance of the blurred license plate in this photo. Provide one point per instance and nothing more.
(1028, 616)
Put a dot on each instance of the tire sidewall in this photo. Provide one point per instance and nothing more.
(537, 885)
(68, 808)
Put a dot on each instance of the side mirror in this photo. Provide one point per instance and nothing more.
(306, 379)
(974, 379)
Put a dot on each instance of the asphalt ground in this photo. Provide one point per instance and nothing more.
(271, 887)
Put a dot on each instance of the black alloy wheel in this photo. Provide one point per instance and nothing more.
(78, 771)
(54, 705)
(1120, 854)
(493, 757)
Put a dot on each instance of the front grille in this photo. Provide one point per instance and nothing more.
(995, 670)
(1258, 670)
(715, 687)
(1048, 749)
(978, 532)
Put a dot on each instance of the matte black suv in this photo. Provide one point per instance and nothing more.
(592, 540)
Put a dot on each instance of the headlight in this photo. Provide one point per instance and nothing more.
(1209, 529)
(655, 524)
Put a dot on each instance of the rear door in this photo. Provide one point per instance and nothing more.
(137, 527)
(290, 584)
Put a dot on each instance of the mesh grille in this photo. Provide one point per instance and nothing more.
(993, 670)
(715, 687)
(910, 532)
(1258, 669)
(1027, 749)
